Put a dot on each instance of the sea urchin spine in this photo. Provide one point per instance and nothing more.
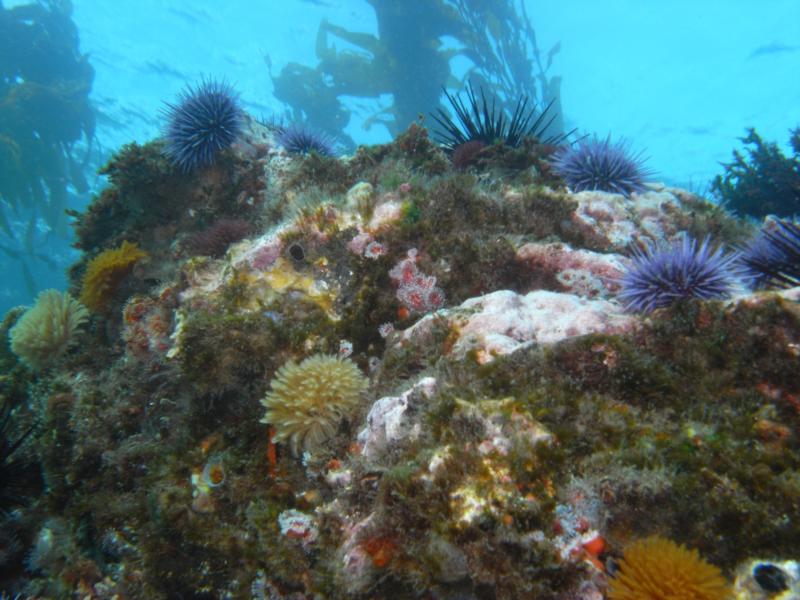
(206, 119)
(773, 256)
(19, 474)
(595, 164)
(302, 140)
(215, 240)
(488, 123)
(660, 276)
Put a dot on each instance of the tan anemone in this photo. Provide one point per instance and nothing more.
(307, 401)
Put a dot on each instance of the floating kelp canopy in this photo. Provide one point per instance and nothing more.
(45, 113)
(409, 61)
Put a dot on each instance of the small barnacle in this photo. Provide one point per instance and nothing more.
(297, 252)
(374, 250)
(203, 482)
(345, 348)
(214, 472)
(770, 578)
(777, 580)
(298, 525)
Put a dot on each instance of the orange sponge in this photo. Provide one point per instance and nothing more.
(105, 272)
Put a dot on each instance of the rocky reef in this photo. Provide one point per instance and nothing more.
(496, 424)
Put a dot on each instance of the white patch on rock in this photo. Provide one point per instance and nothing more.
(390, 419)
(614, 222)
(385, 213)
(503, 322)
(360, 194)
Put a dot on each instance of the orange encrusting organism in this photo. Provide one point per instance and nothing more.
(655, 568)
(381, 550)
(105, 272)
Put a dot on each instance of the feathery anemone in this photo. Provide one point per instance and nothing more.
(308, 400)
(656, 568)
(206, 119)
(595, 164)
(302, 139)
(662, 275)
(773, 256)
(47, 329)
(487, 123)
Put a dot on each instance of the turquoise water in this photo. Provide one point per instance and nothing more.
(680, 80)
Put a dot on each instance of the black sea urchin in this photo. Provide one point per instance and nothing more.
(773, 256)
(662, 275)
(19, 475)
(487, 123)
(595, 164)
(206, 119)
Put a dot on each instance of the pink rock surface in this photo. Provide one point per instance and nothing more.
(580, 272)
(384, 214)
(791, 294)
(388, 421)
(502, 322)
(265, 252)
(613, 222)
(359, 242)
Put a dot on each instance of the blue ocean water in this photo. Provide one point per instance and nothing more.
(681, 80)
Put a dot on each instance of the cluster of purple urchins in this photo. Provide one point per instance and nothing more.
(302, 140)
(206, 119)
(595, 164)
(773, 256)
(661, 275)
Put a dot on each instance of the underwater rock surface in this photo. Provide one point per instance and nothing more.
(503, 322)
(519, 430)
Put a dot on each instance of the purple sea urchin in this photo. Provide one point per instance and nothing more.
(662, 275)
(595, 164)
(215, 240)
(773, 256)
(301, 139)
(206, 119)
